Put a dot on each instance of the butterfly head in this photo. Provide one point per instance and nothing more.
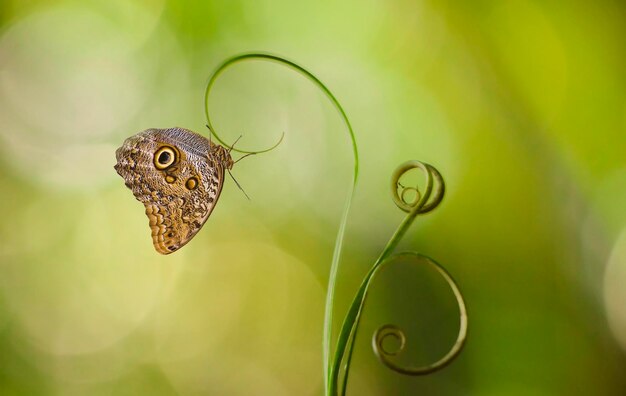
(221, 155)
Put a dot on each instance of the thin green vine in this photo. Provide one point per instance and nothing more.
(328, 312)
(423, 203)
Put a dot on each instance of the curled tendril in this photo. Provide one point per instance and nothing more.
(334, 267)
(432, 176)
(424, 202)
(229, 62)
(386, 331)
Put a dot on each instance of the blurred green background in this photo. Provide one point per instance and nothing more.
(521, 105)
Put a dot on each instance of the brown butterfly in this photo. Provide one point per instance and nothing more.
(178, 175)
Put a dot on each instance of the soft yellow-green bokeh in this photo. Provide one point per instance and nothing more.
(521, 106)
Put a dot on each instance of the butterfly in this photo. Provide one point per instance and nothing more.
(178, 175)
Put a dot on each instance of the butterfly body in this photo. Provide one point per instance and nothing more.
(178, 175)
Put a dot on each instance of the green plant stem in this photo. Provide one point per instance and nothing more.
(330, 293)
(349, 328)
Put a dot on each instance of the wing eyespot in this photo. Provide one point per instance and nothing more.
(164, 157)
(191, 183)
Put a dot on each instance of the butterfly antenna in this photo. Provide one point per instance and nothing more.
(233, 145)
(237, 183)
(247, 155)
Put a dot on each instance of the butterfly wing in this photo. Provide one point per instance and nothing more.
(173, 174)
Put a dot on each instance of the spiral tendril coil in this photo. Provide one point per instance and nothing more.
(392, 331)
(423, 203)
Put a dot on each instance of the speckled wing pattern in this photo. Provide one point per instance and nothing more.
(178, 175)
